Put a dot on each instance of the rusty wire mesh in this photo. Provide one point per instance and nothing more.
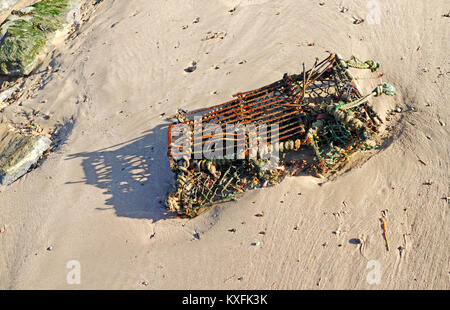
(305, 107)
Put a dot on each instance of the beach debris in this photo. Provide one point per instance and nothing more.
(446, 15)
(49, 248)
(358, 20)
(216, 35)
(191, 68)
(343, 9)
(2, 230)
(383, 221)
(229, 278)
(6, 95)
(196, 20)
(19, 152)
(355, 241)
(27, 32)
(400, 250)
(322, 119)
(422, 162)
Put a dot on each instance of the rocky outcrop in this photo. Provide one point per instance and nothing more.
(26, 33)
(18, 153)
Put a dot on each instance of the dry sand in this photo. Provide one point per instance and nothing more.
(97, 198)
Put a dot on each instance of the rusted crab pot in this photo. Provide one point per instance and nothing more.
(312, 121)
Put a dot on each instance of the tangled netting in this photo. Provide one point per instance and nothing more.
(320, 112)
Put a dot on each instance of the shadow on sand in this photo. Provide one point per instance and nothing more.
(134, 174)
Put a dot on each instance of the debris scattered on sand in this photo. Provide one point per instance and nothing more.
(357, 20)
(383, 221)
(422, 162)
(229, 278)
(191, 68)
(216, 35)
(355, 241)
(6, 95)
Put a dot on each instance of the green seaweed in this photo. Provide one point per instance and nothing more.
(15, 151)
(26, 33)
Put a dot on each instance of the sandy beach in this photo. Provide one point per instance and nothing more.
(98, 197)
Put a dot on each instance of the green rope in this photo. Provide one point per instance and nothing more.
(354, 62)
(383, 88)
(388, 89)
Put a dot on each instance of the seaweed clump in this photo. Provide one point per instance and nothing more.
(26, 32)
